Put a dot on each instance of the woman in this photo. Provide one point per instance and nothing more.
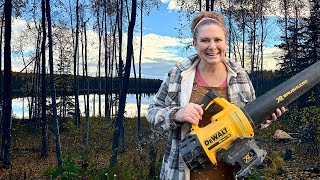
(175, 106)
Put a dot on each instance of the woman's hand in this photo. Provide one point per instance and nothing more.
(191, 113)
(274, 117)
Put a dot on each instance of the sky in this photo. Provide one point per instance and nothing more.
(162, 47)
(165, 49)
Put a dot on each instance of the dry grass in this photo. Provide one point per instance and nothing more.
(133, 161)
(27, 163)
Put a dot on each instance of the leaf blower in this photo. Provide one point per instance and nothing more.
(229, 137)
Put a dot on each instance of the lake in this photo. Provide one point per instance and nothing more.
(20, 107)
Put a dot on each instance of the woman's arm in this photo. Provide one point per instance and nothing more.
(161, 112)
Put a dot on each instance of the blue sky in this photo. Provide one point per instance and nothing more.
(162, 21)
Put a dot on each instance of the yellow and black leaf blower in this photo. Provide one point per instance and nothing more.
(230, 135)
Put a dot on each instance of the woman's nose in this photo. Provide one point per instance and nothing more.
(212, 45)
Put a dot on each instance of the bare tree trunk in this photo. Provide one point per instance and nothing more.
(99, 58)
(94, 105)
(87, 79)
(243, 46)
(114, 50)
(123, 94)
(262, 43)
(286, 15)
(38, 101)
(120, 66)
(1, 86)
(33, 107)
(253, 45)
(22, 109)
(27, 89)
(106, 94)
(75, 76)
(7, 101)
(44, 127)
(207, 5)
(71, 21)
(295, 39)
(83, 64)
(53, 91)
(243, 28)
(230, 28)
(138, 85)
(212, 5)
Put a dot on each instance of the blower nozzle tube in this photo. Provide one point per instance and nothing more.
(282, 95)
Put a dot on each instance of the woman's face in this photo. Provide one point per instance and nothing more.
(211, 44)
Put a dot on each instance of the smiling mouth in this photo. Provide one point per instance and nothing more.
(212, 54)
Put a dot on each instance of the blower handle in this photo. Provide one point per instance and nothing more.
(206, 102)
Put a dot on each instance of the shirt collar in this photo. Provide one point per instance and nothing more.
(187, 63)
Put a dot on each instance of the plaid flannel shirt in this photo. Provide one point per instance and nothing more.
(174, 93)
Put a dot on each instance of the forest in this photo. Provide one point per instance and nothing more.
(22, 82)
(54, 51)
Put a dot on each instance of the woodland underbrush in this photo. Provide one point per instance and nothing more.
(135, 160)
(79, 162)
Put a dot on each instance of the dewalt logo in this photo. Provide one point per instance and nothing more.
(216, 136)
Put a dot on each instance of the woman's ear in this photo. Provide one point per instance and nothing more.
(194, 42)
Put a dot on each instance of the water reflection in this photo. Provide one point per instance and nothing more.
(20, 107)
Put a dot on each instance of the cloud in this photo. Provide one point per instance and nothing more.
(187, 4)
(270, 62)
(159, 47)
(165, 1)
(269, 55)
(160, 53)
(156, 69)
(275, 8)
(173, 5)
(18, 25)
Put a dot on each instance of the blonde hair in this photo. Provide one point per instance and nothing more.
(207, 18)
